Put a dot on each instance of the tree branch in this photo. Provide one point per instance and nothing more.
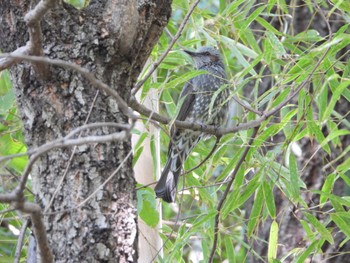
(21, 236)
(39, 228)
(163, 56)
(228, 188)
(123, 106)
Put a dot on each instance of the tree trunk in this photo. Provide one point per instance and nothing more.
(112, 39)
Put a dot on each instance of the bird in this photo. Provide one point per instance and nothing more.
(205, 102)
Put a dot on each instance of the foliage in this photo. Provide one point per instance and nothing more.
(11, 142)
(270, 167)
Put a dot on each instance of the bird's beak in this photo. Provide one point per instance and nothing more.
(191, 53)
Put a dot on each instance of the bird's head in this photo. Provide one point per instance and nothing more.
(205, 56)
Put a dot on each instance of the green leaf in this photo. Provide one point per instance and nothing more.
(5, 83)
(314, 129)
(340, 222)
(311, 235)
(321, 229)
(327, 188)
(78, 3)
(232, 197)
(335, 97)
(273, 242)
(269, 199)
(146, 207)
(9, 145)
(255, 213)
(302, 258)
(251, 18)
(184, 78)
(276, 44)
(306, 36)
(294, 178)
(342, 4)
(268, 26)
(230, 250)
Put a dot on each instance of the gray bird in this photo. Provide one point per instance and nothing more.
(197, 96)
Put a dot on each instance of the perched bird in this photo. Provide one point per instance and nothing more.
(197, 95)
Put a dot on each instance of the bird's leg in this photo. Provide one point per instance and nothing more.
(203, 127)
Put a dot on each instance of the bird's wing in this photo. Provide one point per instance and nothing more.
(188, 96)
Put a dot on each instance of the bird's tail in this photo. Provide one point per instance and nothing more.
(178, 152)
(167, 184)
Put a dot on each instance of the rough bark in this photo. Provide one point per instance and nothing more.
(113, 40)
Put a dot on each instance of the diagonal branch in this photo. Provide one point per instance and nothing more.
(228, 188)
(39, 228)
(163, 56)
(123, 106)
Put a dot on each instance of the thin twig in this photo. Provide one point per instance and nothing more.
(126, 127)
(163, 56)
(71, 156)
(122, 105)
(96, 190)
(206, 158)
(39, 228)
(228, 188)
(247, 106)
(21, 237)
(62, 143)
(9, 61)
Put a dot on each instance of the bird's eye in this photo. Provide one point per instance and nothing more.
(207, 53)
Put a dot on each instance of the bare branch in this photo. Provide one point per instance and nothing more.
(36, 14)
(62, 143)
(39, 228)
(8, 198)
(7, 62)
(21, 236)
(34, 45)
(247, 106)
(206, 158)
(228, 188)
(163, 56)
(85, 73)
(126, 127)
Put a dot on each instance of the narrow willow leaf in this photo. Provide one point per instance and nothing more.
(340, 200)
(268, 26)
(233, 195)
(294, 178)
(302, 258)
(230, 166)
(230, 250)
(327, 188)
(311, 235)
(169, 103)
(273, 242)
(276, 44)
(255, 212)
(321, 229)
(340, 222)
(184, 78)
(335, 97)
(269, 199)
(316, 130)
(251, 18)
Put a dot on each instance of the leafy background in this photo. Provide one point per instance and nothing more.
(297, 170)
